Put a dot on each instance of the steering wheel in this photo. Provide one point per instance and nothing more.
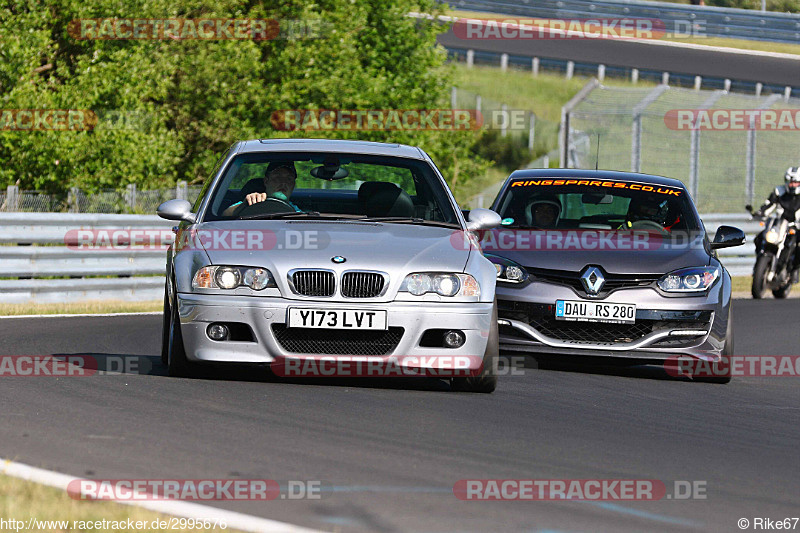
(267, 207)
(649, 224)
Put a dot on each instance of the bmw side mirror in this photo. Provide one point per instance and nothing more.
(728, 236)
(177, 210)
(480, 219)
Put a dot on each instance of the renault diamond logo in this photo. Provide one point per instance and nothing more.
(338, 259)
(592, 280)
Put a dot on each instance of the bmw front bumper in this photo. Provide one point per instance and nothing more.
(266, 318)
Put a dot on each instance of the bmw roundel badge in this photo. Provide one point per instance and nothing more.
(338, 259)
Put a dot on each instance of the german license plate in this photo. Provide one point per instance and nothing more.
(582, 311)
(336, 318)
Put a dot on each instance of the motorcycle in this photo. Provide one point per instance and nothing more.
(775, 249)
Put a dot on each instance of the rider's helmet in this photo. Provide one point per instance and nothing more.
(792, 178)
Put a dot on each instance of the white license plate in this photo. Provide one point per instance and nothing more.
(336, 318)
(583, 311)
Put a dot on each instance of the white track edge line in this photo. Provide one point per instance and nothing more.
(183, 509)
(84, 315)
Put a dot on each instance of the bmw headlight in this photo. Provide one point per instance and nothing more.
(695, 279)
(231, 277)
(443, 284)
(507, 270)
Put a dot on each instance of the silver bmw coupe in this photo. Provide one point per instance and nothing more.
(320, 249)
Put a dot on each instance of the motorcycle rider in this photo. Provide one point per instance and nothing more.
(788, 197)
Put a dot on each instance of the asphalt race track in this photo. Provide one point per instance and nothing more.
(618, 52)
(389, 454)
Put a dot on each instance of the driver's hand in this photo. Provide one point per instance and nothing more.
(255, 197)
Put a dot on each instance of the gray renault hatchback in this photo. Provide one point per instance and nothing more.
(609, 264)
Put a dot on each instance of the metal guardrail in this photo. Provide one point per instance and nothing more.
(714, 21)
(40, 250)
(47, 270)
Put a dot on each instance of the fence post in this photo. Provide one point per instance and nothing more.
(478, 102)
(531, 131)
(12, 198)
(470, 58)
(759, 88)
(698, 82)
(636, 126)
(750, 153)
(182, 190)
(131, 193)
(570, 69)
(453, 94)
(504, 125)
(787, 93)
(665, 78)
(535, 66)
(601, 72)
(635, 76)
(564, 133)
(73, 200)
(694, 147)
(727, 85)
(504, 62)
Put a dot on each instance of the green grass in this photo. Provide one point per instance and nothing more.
(22, 500)
(89, 307)
(763, 46)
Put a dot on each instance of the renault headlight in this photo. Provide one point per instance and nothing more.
(695, 279)
(231, 277)
(443, 284)
(508, 270)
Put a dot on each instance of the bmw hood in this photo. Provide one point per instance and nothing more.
(396, 249)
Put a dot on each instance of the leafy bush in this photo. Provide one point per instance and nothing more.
(190, 99)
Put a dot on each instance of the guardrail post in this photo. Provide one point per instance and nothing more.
(131, 193)
(531, 131)
(759, 88)
(470, 58)
(182, 190)
(787, 93)
(727, 85)
(601, 72)
(12, 198)
(453, 95)
(570, 69)
(504, 62)
(698, 82)
(504, 125)
(635, 76)
(665, 78)
(535, 66)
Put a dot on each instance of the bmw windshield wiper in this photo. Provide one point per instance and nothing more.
(286, 214)
(409, 220)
